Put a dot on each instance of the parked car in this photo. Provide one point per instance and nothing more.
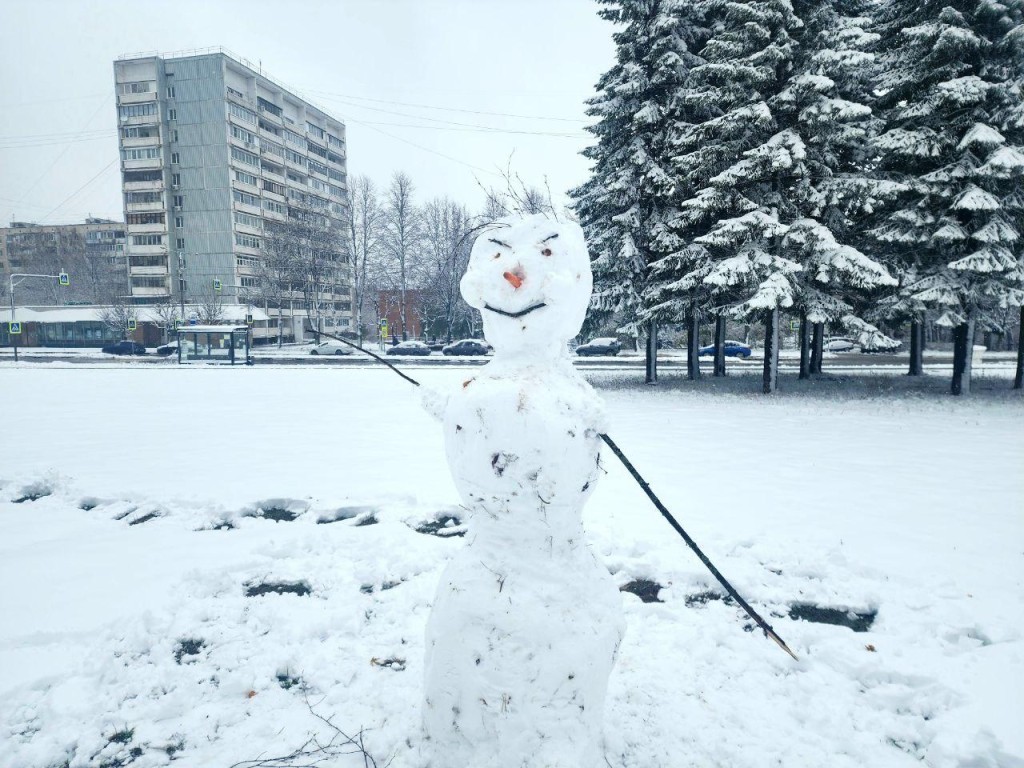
(731, 348)
(124, 348)
(409, 348)
(330, 348)
(600, 346)
(168, 349)
(467, 347)
(839, 344)
(871, 342)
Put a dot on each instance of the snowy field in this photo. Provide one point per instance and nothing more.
(155, 611)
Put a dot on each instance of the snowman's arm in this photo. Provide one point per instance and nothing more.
(433, 401)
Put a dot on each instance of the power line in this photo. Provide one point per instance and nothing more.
(487, 128)
(454, 109)
(425, 149)
(480, 130)
(64, 152)
(75, 193)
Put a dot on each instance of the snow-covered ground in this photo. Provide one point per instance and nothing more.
(128, 638)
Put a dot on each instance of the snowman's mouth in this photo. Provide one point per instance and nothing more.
(520, 313)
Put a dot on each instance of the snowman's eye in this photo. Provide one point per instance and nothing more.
(546, 252)
(497, 255)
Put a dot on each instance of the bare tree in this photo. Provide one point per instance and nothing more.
(366, 219)
(320, 266)
(517, 198)
(447, 241)
(166, 312)
(277, 269)
(209, 304)
(401, 237)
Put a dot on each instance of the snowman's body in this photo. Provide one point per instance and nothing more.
(523, 633)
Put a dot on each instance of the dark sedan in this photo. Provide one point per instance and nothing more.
(124, 348)
(731, 348)
(409, 348)
(601, 346)
(466, 347)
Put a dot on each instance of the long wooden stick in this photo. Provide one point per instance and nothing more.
(764, 625)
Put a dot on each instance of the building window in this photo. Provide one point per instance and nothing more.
(245, 198)
(141, 153)
(142, 86)
(246, 115)
(271, 168)
(297, 139)
(295, 157)
(316, 167)
(267, 106)
(181, 244)
(275, 207)
(174, 135)
(179, 222)
(147, 239)
(246, 178)
(271, 148)
(243, 135)
(273, 186)
(246, 241)
(175, 158)
(315, 130)
(147, 260)
(336, 190)
(130, 176)
(245, 157)
(145, 218)
(316, 149)
(170, 91)
(247, 261)
(148, 282)
(248, 220)
(140, 131)
(250, 282)
(172, 114)
(175, 179)
(236, 94)
(336, 159)
(265, 126)
(143, 197)
(179, 200)
(137, 110)
(334, 141)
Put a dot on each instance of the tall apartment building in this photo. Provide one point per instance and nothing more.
(212, 153)
(92, 253)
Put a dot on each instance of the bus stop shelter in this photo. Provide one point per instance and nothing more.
(214, 344)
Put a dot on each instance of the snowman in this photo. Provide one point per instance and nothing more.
(526, 622)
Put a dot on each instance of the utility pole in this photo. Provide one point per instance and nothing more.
(181, 282)
(62, 279)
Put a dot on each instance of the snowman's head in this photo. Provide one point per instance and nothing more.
(530, 278)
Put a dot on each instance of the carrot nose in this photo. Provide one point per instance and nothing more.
(513, 278)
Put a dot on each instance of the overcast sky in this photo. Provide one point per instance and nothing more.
(418, 84)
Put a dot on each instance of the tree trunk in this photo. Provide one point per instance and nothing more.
(916, 348)
(770, 379)
(651, 375)
(1018, 380)
(963, 348)
(720, 345)
(817, 347)
(805, 347)
(692, 345)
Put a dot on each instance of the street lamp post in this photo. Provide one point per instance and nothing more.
(62, 279)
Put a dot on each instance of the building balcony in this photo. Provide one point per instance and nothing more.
(147, 229)
(139, 120)
(144, 207)
(147, 250)
(150, 292)
(136, 98)
(149, 271)
(144, 186)
(153, 164)
(146, 141)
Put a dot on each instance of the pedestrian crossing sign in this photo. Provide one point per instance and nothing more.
(217, 284)
(131, 324)
(14, 329)
(63, 279)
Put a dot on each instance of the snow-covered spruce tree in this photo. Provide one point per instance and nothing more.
(825, 104)
(733, 220)
(951, 100)
(631, 194)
